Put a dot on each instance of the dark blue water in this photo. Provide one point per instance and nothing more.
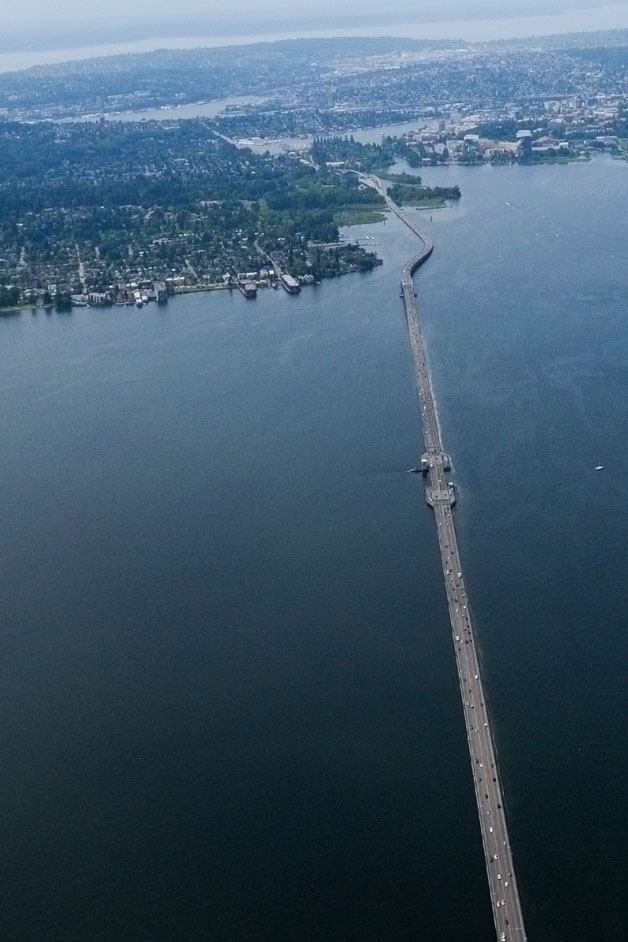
(229, 704)
(526, 304)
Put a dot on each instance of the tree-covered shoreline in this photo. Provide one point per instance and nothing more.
(90, 209)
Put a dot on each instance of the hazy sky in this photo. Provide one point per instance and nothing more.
(28, 10)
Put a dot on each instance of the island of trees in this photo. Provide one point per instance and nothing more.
(431, 197)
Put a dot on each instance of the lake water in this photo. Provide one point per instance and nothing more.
(363, 135)
(199, 109)
(230, 707)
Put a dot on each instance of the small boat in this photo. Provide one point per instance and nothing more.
(414, 470)
(599, 467)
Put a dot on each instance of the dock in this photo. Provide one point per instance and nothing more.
(248, 289)
(290, 284)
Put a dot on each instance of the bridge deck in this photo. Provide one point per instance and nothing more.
(506, 904)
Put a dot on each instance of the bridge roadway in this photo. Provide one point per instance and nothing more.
(506, 904)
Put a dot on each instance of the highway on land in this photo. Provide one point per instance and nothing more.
(439, 493)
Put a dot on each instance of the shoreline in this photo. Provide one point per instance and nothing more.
(191, 289)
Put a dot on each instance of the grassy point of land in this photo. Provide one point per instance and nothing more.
(436, 203)
(412, 179)
(358, 217)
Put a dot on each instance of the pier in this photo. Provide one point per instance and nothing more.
(440, 495)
